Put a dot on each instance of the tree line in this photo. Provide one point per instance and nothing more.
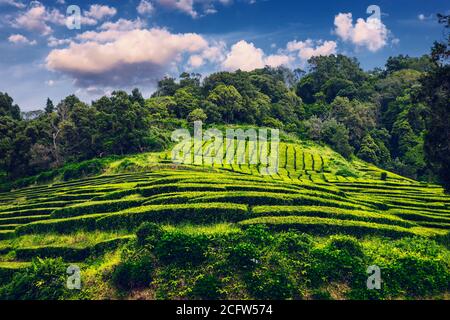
(396, 117)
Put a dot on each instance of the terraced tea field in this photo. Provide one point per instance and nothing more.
(308, 194)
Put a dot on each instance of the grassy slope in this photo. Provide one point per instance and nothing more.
(316, 191)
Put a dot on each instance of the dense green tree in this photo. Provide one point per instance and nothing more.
(369, 150)
(436, 93)
(8, 108)
(136, 96)
(185, 103)
(49, 107)
(401, 62)
(197, 115)
(337, 136)
(229, 100)
(166, 87)
(359, 116)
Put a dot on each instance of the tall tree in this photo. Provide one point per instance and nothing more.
(49, 107)
(436, 93)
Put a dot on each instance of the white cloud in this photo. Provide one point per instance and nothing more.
(189, 6)
(38, 18)
(196, 61)
(246, 57)
(34, 19)
(214, 53)
(54, 42)
(145, 7)
(370, 33)
(123, 25)
(423, 17)
(20, 39)
(13, 3)
(277, 60)
(186, 6)
(110, 62)
(310, 48)
(110, 31)
(98, 12)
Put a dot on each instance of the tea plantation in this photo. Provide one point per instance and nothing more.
(145, 228)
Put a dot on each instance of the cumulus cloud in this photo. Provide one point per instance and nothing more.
(189, 6)
(110, 62)
(35, 19)
(370, 33)
(214, 53)
(20, 39)
(145, 7)
(123, 25)
(246, 57)
(98, 12)
(186, 6)
(277, 60)
(54, 42)
(13, 3)
(423, 17)
(110, 31)
(39, 19)
(310, 48)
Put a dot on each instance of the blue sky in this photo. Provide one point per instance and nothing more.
(126, 43)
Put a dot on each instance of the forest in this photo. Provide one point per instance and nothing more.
(396, 117)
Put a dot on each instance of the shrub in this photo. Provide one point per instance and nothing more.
(325, 226)
(95, 207)
(79, 170)
(271, 283)
(244, 255)
(148, 233)
(321, 295)
(133, 273)
(346, 172)
(43, 280)
(195, 213)
(60, 225)
(340, 260)
(330, 212)
(415, 276)
(180, 248)
(207, 287)
(292, 242)
(259, 235)
(347, 244)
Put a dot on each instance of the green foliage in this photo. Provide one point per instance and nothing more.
(197, 115)
(207, 287)
(43, 280)
(179, 248)
(436, 94)
(272, 282)
(341, 259)
(244, 255)
(79, 170)
(148, 233)
(134, 272)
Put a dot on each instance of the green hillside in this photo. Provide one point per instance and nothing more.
(318, 198)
